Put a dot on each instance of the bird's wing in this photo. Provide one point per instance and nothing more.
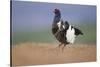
(58, 31)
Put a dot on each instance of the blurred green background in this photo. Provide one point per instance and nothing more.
(45, 35)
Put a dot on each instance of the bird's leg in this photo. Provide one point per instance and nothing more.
(63, 47)
(58, 48)
(60, 45)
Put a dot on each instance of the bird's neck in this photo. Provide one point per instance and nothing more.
(57, 18)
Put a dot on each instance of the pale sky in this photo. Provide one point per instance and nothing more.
(37, 15)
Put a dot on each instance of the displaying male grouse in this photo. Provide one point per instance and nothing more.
(63, 32)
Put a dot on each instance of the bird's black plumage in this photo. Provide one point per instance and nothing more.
(66, 24)
(77, 32)
(57, 16)
(59, 34)
(56, 19)
(61, 29)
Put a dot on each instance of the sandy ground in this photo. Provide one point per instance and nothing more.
(45, 53)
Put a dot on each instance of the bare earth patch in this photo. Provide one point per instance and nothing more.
(47, 53)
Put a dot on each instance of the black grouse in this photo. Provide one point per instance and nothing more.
(63, 32)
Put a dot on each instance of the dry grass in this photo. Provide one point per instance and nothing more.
(45, 53)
